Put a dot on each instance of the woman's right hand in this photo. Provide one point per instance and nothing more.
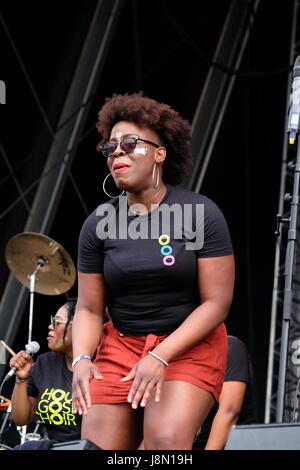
(84, 371)
(22, 361)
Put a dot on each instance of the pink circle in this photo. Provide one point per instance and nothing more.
(168, 263)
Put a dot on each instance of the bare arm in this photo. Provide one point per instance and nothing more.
(87, 330)
(23, 406)
(216, 284)
(230, 405)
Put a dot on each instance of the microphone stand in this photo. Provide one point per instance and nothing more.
(8, 412)
(288, 289)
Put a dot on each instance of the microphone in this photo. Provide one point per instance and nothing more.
(294, 108)
(32, 348)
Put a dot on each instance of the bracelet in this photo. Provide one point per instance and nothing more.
(19, 381)
(159, 358)
(78, 358)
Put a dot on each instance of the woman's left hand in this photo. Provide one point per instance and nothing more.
(146, 374)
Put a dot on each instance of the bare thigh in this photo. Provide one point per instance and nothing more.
(173, 422)
(114, 427)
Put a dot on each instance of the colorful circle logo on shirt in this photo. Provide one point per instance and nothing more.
(166, 250)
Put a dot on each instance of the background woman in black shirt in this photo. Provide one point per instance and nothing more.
(235, 403)
(44, 389)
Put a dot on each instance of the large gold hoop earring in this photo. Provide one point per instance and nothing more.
(155, 177)
(104, 190)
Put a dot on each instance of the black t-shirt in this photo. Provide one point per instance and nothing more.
(238, 370)
(50, 381)
(150, 261)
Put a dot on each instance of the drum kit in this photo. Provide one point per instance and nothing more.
(42, 265)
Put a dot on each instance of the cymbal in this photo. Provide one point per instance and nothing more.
(23, 252)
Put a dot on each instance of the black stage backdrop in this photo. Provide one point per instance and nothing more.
(164, 48)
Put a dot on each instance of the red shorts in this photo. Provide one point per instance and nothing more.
(203, 365)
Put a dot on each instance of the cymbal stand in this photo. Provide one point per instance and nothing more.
(32, 278)
(22, 431)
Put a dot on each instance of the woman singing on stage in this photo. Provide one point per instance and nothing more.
(160, 259)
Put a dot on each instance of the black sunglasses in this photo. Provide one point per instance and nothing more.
(127, 145)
